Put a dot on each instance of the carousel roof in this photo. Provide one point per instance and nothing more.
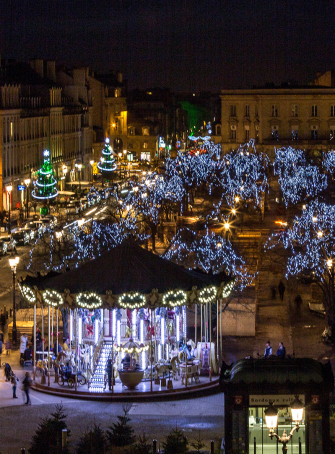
(126, 268)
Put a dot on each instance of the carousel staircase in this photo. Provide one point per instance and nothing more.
(97, 382)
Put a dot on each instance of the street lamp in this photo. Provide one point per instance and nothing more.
(271, 418)
(9, 190)
(13, 264)
(79, 167)
(27, 183)
(92, 162)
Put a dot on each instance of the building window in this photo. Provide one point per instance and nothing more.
(247, 110)
(145, 131)
(332, 110)
(247, 134)
(314, 134)
(145, 144)
(274, 110)
(332, 134)
(218, 130)
(117, 92)
(131, 131)
(294, 110)
(233, 111)
(274, 134)
(314, 110)
(233, 134)
(145, 156)
(295, 134)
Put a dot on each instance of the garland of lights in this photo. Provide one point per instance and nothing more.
(207, 295)
(132, 350)
(132, 300)
(227, 289)
(52, 298)
(174, 298)
(89, 300)
(28, 293)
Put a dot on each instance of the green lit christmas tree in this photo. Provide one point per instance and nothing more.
(46, 184)
(107, 162)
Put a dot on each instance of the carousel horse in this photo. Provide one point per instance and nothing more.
(174, 367)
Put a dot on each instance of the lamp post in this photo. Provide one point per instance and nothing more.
(27, 183)
(92, 162)
(271, 418)
(9, 190)
(79, 166)
(13, 264)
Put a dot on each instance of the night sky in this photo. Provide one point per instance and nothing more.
(181, 44)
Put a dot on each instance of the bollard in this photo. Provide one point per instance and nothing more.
(64, 438)
(212, 446)
(154, 446)
(254, 445)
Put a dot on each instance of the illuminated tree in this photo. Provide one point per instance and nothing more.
(311, 242)
(107, 163)
(46, 184)
(296, 178)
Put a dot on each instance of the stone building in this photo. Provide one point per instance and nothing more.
(303, 117)
(36, 113)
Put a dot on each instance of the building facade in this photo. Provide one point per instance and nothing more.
(277, 117)
(36, 113)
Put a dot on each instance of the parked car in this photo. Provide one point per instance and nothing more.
(49, 220)
(10, 242)
(30, 232)
(3, 247)
(21, 237)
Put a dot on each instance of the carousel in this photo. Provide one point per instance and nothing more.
(128, 320)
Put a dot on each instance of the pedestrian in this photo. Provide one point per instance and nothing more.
(273, 292)
(110, 374)
(13, 381)
(8, 347)
(26, 387)
(268, 350)
(2, 320)
(281, 352)
(281, 290)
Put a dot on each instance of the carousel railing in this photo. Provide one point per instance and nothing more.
(96, 355)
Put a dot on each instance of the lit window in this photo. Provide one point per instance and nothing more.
(274, 110)
(294, 110)
(145, 131)
(233, 111)
(145, 144)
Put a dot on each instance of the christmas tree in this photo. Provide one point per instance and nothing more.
(46, 184)
(107, 162)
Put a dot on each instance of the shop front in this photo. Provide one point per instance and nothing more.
(254, 387)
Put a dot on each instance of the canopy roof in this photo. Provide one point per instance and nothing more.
(126, 268)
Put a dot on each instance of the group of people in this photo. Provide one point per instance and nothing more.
(281, 352)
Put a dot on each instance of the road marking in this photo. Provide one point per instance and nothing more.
(40, 400)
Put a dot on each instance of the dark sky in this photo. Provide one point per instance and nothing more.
(182, 44)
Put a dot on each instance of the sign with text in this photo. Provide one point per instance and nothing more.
(21, 187)
(277, 399)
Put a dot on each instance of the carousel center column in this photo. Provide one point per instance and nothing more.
(107, 322)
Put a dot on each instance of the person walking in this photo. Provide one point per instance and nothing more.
(281, 352)
(13, 381)
(26, 387)
(268, 350)
(281, 290)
